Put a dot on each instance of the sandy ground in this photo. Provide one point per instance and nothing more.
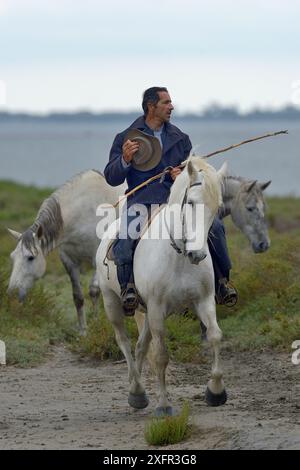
(73, 403)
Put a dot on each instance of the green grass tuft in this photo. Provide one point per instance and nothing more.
(168, 430)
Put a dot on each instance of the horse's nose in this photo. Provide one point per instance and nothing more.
(196, 256)
(20, 292)
(261, 246)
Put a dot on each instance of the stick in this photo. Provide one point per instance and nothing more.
(156, 177)
(244, 142)
(140, 186)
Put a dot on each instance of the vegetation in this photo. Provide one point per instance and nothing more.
(266, 316)
(168, 430)
(212, 112)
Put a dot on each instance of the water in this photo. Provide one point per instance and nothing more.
(47, 154)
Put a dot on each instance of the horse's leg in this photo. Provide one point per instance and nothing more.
(161, 358)
(140, 321)
(74, 274)
(144, 340)
(94, 291)
(215, 393)
(203, 331)
(137, 397)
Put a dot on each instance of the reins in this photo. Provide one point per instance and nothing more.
(183, 239)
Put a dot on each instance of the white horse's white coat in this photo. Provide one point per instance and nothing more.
(77, 241)
(168, 282)
(77, 201)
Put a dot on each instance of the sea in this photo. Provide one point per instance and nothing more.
(46, 154)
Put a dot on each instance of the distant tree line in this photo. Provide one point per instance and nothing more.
(212, 113)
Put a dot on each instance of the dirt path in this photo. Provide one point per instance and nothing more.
(70, 403)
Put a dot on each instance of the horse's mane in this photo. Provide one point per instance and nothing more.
(50, 224)
(241, 179)
(212, 193)
(49, 220)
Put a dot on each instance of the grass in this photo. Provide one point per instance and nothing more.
(29, 329)
(168, 430)
(266, 316)
(268, 312)
(100, 340)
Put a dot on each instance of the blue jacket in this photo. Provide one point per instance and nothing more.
(176, 148)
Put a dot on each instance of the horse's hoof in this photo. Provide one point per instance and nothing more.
(138, 401)
(162, 411)
(213, 399)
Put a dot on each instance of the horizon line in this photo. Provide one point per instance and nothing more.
(211, 110)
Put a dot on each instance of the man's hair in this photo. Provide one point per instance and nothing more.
(151, 96)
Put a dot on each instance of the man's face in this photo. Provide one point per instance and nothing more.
(164, 107)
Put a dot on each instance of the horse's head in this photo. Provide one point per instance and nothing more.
(28, 260)
(248, 213)
(202, 199)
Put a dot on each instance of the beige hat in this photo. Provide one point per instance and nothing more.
(149, 153)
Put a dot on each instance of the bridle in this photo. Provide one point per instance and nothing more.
(183, 224)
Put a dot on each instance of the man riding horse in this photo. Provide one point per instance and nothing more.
(151, 130)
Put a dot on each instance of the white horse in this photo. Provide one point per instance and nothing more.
(169, 281)
(66, 220)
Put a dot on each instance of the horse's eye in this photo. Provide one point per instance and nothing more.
(30, 258)
(250, 209)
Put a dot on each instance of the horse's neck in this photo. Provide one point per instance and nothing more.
(230, 189)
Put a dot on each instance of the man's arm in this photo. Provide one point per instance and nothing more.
(119, 160)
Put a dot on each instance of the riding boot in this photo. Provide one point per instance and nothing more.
(226, 294)
(129, 293)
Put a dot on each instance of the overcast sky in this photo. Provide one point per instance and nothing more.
(101, 55)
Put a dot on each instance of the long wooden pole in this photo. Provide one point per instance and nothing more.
(244, 142)
(167, 170)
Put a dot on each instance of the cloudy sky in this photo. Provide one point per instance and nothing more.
(101, 54)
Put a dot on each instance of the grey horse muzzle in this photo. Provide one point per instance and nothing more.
(196, 256)
(261, 246)
(21, 292)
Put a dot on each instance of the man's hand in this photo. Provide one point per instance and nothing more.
(130, 147)
(175, 172)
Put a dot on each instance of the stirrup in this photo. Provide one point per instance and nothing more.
(227, 294)
(130, 299)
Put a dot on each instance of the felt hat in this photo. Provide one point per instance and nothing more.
(149, 153)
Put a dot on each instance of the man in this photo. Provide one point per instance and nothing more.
(176, 147)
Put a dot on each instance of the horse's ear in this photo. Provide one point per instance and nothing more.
(264, 186)
(249, 186)
(14, 234)
(222, 172)
(39, 232)
(191, 170)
